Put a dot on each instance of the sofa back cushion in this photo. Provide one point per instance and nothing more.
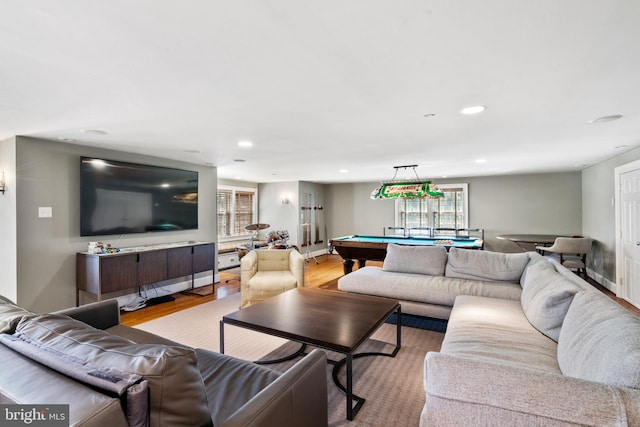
(486, 265)
(600, 341)
(273, 259)
(430, 260)
(176, 390)
(10, 315)
(546, 297)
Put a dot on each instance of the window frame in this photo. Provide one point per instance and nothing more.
(430, 223)
(232, 217)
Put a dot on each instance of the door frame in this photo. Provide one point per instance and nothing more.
(629, 167)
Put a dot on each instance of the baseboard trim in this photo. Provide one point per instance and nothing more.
(613, 287)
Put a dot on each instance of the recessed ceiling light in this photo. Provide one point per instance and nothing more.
(430, 115)
(94, 131)
(605, 119)
(164, 185)
(192, 151)
(344, 171)
(480, 160)
(245, 144)
(239, 160)
(208, 163)
(617, 147)
(66, 139)
(474, 109)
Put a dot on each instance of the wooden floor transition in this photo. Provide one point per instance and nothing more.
(324, 275)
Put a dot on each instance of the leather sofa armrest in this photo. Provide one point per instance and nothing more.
(461, 391)
(100, 315)
(297, 398)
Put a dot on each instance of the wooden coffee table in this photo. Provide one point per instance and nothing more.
(330, 320)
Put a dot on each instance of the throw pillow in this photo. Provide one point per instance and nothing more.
(430, 260)
(546, 297)
(600, 341)
(177, 393)
(486, 265)
(10, 315)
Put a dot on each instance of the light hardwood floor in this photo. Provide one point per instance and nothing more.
(323, 275)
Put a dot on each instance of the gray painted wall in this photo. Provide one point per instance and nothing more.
(535, 203)
(48, 175)
(598, 213)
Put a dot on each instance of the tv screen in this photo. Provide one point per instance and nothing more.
(122, 198)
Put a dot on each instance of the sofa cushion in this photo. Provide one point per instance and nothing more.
(232, 381)
(24, 382)
(372, 280)
(495, 330)
(486, 265)
(599, 341)
(177, 393)
(429, 260)
(546, 297)
(129, 387)
(10, 315)
(273, 260)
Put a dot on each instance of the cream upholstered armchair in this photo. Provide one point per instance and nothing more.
(571, 252)
(268, 272)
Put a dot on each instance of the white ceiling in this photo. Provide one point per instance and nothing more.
(328, 85)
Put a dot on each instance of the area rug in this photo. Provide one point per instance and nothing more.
(393, 387)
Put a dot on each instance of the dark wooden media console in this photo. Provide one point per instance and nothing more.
(98, 274)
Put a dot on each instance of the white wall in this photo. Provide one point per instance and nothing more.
(8, 218)
(598, 215)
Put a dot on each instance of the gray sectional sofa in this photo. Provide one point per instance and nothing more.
(114, 375)
(427, 279)
(561, 353)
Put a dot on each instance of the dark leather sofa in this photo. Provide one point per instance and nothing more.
(111, 374)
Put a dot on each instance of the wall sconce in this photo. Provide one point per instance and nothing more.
(285, 199)
(3, 184)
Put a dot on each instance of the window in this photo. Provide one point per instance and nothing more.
(449, 211)
(236, 209)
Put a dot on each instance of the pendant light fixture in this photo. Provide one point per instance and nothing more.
(406, 189)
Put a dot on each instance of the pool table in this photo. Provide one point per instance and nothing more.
(374, 248)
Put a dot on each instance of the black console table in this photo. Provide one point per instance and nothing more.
(98, 274)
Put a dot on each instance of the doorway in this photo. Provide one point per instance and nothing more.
(627, 184)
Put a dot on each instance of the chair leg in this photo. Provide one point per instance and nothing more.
(584, 273)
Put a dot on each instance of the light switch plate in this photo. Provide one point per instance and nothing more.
(45, 212)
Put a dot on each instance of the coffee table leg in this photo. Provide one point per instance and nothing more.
(398, 331)
(221, 337)
(349, 361)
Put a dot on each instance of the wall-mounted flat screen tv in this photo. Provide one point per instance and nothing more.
(122, 198)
